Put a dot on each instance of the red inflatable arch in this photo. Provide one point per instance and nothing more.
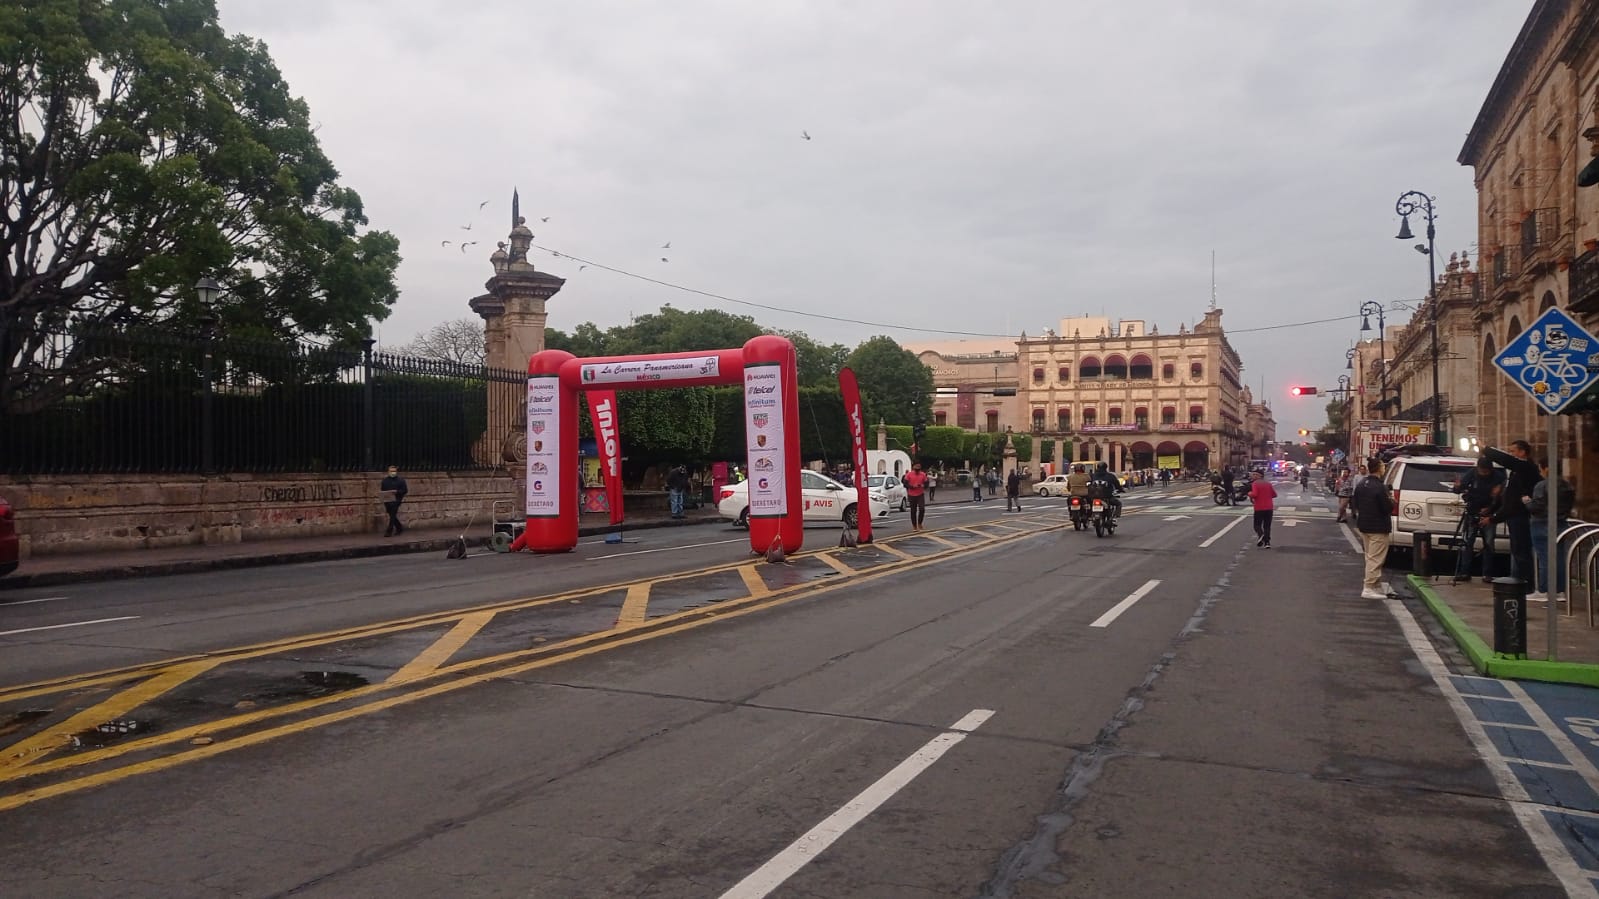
(766, 368)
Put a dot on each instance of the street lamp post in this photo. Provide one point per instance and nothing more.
(1367, 309)
(1412, 201)
(1344, 384)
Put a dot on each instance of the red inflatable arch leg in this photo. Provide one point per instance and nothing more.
(552, 460)
(772, 437)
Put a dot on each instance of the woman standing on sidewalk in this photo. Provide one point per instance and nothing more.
(1263, 497)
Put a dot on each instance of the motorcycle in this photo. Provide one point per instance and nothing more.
(1103, 517)
(1077, 510)
(1218, 493)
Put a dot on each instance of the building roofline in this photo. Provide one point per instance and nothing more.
(1543, 14)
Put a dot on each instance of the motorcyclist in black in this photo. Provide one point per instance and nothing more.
(1106, 486)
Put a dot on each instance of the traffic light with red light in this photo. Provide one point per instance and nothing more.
(1301, 391)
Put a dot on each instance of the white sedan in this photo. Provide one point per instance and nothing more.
(824, 500)
(892, 489)
(1054, 485)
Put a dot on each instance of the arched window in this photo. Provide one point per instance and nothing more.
(1088, 368)
(939, 418)
(1196, 371)
(1116, 367)
(1141, 417)
(1063, 418)
(1196, 415)
(1115, 415)
(1090, 417)
(1547, 301)
(1143, 368)
(1168, 371)
(1065, 373)
(1038, 376)
(1168, 415)
(1038, 419)
(993, 421)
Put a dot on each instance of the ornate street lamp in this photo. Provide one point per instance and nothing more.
(1367, 310)
(1413, 201)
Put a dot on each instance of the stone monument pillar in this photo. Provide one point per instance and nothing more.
(882, 435)
(513, 330)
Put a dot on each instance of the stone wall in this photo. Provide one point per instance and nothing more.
(100, 513)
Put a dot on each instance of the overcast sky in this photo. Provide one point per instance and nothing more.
(985, 168)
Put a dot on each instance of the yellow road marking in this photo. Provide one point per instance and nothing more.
(937, 539)
(837, 564)
(753, 581)
(694, 618)
(43, 743)
(635, 609)
(894, 551)
(442, 648)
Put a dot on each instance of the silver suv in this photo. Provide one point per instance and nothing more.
(1422, 489)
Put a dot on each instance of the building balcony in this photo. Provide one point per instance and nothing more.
(1582, 282)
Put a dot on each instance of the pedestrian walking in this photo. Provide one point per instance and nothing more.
(1013, 490)
(677, 489)
(394, 490)
(1511, 508)
(916, 482)
(1263, 497)
(1373, 508)
(1538, 526)
(1476, 488)
(977, 487)
(993, 482)
(932, 485)
(1346, 491)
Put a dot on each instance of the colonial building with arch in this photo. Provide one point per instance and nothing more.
(1112, 391)
(1538, 231)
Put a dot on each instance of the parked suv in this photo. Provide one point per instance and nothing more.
(8, 538)
(1421, 485)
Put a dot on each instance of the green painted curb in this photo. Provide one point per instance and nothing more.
(1483, 659)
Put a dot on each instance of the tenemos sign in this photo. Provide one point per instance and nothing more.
(650, 371)
(763, 434)
(543, 446)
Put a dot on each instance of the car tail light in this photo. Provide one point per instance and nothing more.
(1395, 511)
(726, 492)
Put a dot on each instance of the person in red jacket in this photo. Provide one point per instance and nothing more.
(915, 482)
(1263, 497)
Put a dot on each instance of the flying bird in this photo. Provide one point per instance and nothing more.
(481, 205)
(545, 219)
(667, 245)
(467, 226)
(805, 134)
(664, 259)
(444, 243)
(581, 267)
(470, 243)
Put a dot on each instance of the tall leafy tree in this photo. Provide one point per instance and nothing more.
(818, 363)
(895, 384)
(141, 148)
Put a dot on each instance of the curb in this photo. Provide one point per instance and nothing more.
(1482, 657)
(292, 557)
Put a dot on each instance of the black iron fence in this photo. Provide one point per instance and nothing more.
(86, 400)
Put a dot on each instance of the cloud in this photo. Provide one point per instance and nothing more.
(977, 168)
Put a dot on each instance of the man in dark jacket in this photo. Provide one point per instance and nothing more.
(1512, 506)
(1476, 488)
(1373, 507)
(677, 489)
(1227, 484)
(1013, 490)
(394, 490)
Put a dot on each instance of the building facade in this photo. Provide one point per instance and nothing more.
(1410, 351)
(1112, 392)
(1260, 426)
(1538, 231)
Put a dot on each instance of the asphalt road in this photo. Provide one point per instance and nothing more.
(1169, 711)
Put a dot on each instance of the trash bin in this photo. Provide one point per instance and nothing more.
(1421, 554)
(1510, 617)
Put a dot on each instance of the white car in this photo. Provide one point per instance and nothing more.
(824, 500)
(1054, 485)
(892, 489)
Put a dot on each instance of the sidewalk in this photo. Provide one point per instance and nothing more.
(44, 571)
(1466, 612)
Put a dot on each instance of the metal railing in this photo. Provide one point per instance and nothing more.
(87, 400)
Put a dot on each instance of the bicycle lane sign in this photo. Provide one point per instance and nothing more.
(1555, 360)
